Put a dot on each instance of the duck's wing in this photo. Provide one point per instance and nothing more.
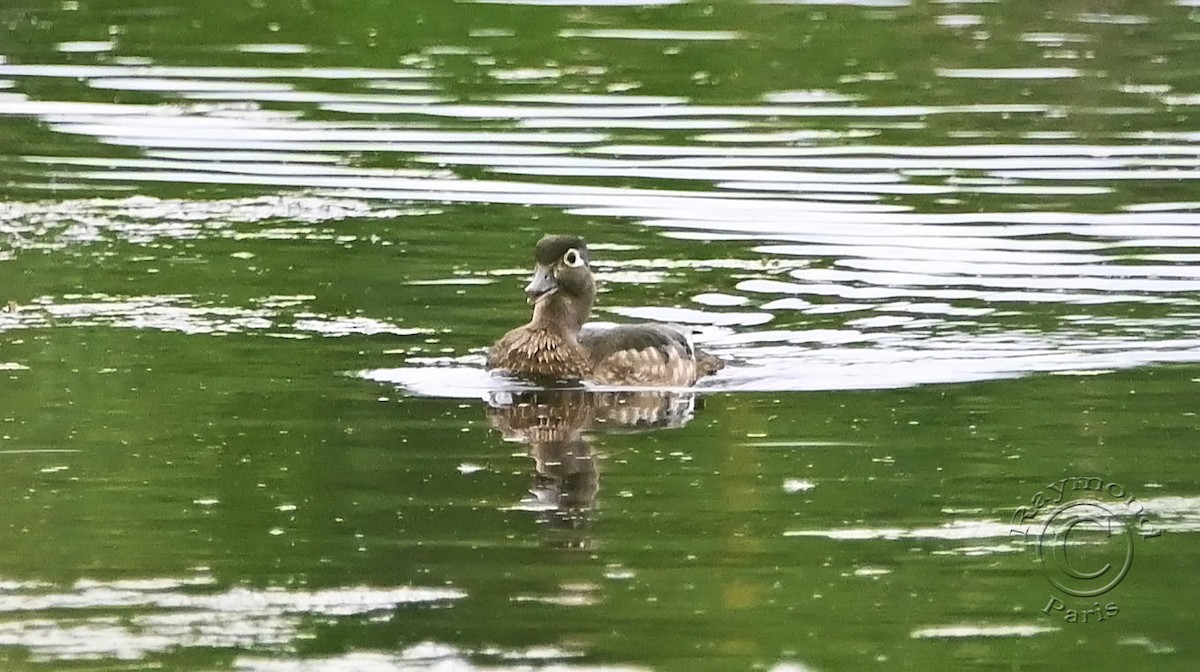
(606, 341)
(651, 354)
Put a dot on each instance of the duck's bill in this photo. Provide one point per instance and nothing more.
(538, 298)
(542, 286)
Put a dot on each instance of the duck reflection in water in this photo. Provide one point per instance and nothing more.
(558, 426)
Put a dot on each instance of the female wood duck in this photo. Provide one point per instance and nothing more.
(555, 344)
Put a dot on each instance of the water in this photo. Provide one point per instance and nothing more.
(251, 254)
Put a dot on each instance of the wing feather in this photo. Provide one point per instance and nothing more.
(650, 354)
(605, 342)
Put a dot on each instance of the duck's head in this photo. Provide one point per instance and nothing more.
(562, 288)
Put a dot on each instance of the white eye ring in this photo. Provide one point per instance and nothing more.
(573, 258)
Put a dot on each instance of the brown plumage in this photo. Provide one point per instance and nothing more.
(541, 352)
(555, 344)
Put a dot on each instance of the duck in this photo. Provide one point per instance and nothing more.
(557, 343)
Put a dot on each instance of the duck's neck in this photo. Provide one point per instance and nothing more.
(561, 315)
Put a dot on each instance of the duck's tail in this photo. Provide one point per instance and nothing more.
(707, 364)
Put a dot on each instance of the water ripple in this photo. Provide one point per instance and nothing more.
(865, 258)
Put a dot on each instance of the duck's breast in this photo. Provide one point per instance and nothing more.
(529, 351)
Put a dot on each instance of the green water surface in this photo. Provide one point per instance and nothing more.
(252, 250)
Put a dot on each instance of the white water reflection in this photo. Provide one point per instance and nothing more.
(85, 47)
(974, 631)
(135, 619)
(1009, 73)
(231, 73)
(862, 3)
(580, 3)
(435, 657)
(279, 316)
(1170, 514)
(141, 220)
(629, 34)
(274, 48)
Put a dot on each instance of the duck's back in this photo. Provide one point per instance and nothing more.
(645, 354)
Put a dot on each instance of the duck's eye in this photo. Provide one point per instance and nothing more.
(573, 258)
